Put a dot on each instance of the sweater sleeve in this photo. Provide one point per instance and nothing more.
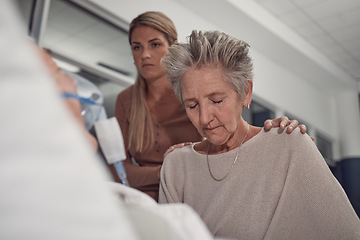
(171, 180)
(138, 176)
(312, 205)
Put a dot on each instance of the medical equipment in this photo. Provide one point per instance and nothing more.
(90, 97)
(111, 142)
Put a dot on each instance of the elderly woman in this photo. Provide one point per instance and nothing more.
(245, 183)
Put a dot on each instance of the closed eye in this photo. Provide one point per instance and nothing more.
(193, 106)
(218, 101)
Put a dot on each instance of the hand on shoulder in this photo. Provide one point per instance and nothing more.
(180, 145)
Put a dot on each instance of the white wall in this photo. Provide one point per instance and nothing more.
(289, 92)
(289, 74)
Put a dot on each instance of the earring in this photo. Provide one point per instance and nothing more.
(248, 106)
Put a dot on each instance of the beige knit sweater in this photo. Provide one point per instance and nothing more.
(279, 188)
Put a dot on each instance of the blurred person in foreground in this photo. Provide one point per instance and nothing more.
(245, 183)
(51, 184)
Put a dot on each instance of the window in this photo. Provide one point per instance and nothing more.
(257, 114)
(85, 39)
(324, 145)
(79, 34)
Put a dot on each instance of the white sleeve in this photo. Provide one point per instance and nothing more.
(161, 221)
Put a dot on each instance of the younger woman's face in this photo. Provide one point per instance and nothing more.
(148, 46)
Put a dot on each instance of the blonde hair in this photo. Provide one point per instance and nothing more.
(141, 125)
(212, 48)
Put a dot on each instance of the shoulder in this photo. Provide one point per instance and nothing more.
(125, 94)
(123, 99)
(180, 164)
(296, 145)
(179, 156)
(278, 133)
(123, 106)
(279, 140)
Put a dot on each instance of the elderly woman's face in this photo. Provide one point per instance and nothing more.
(212, 105)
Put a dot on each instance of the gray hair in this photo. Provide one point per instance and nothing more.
(210, 48)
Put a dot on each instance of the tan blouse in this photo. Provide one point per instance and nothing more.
(177, 128)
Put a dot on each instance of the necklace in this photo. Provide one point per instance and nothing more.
(236, 157)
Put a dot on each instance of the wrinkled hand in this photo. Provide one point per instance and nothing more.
(282, 122)
(180, 145)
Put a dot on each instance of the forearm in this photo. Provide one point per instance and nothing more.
(139, 176)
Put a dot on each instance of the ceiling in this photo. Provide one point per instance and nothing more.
(331, 26)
